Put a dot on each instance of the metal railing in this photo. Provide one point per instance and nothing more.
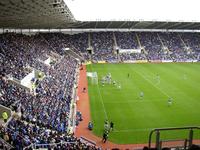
(50, 145)
(188, 141)
(5, 144)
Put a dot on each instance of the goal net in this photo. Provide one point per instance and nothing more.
(93, 76)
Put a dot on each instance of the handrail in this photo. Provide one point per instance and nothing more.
(6, 143)
(170, 128)
(88, 140)
(50, 144)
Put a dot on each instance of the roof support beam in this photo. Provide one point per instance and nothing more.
(109, 24)
(96, 24)
(149, 24)
(197, 25)
(173, 25)
(184, 26)
(122, 24)
(135, 24)
(161, 25)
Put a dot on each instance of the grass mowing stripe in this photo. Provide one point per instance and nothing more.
(104, 110)
(142, 129)
(102, 102)
(132, 101)
(151, 83)
(134, 120)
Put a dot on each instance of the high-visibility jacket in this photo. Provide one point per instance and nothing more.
(5, 115)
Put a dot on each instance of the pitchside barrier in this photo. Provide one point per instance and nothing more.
(73, 109)
(47, 146)
(5, 144)
(87, 141)
(140, 61)
(185, 143)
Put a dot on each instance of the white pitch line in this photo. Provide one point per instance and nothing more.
(152, 83)
(101, 99)
(102, 102)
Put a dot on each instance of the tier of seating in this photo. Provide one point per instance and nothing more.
(154, 45)
(45, 114)
(49, 107)
(23, 135)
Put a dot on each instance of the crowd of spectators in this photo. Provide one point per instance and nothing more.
(10, 93)
(126, 40)
(49, 108)
(103, 46)
(156, 46)
(23, 135)
(152, 45)
(175, 46)
(191, 40)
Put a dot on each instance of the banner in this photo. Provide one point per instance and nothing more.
(129, 50)
(88, 63)
(26, 81)
(48, 61)
(101, 62)
(141, 61)
(191, 61)
(129, 61)
(166, 61)
(156, 61)
(113, 61)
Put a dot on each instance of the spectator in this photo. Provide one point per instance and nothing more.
(90, 125)
(5, 116)
(105, 136)
(111, 126)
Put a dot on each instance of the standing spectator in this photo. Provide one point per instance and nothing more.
(106, 126)
(6, 137)
(105, 136)
(90, 125)
(84, 89)
(111, 126)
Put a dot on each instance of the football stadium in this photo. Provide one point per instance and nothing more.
(75, 77)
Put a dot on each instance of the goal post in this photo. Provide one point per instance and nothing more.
(93, 76)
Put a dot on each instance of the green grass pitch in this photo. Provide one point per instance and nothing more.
(133, 117)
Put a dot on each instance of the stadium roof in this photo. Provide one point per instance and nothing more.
(34, 14)
(136, 25)
(55, 14)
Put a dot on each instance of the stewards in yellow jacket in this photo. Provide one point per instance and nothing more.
(5, 116)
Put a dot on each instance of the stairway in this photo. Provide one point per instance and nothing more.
(165, 49)
(115, 47)
(75, 53)
(141, 47)
(186, 48)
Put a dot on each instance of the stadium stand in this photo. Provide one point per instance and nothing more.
(45, 114)
(22, 134)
